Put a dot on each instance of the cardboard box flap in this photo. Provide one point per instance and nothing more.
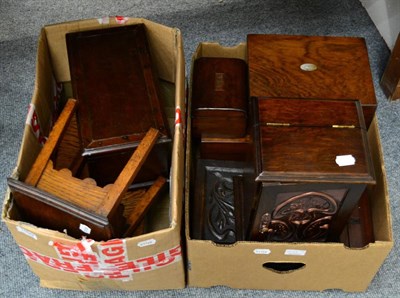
(213, 49)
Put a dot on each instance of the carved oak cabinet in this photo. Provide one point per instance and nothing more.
(312, 164)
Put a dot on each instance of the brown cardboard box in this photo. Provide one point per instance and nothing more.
(307, 266)
(149, 261)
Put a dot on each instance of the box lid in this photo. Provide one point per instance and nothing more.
(304, 140)
(303, 67)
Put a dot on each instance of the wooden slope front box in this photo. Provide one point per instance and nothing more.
(305, 193)
(311, 67)
(150, 261)
(284, 265)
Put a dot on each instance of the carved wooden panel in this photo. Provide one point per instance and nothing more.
(214, 215)
(301, 217)
(303, 211)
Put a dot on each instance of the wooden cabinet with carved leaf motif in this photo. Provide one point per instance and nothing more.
(312, 164)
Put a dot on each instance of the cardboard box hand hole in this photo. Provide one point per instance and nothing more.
(283, 267)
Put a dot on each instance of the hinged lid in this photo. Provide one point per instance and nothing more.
(310, 112)
(307, 147)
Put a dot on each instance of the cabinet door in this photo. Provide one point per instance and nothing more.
(302, 212)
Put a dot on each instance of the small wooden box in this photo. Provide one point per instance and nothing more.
(311, 67)
(305, 191)
(219, 97)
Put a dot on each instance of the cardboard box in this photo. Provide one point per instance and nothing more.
(150, 261)
(289, 266)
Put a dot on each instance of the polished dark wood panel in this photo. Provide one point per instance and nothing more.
(311, 113)
(341, 68)
(219, 97)
(115, 82)
(390, 81)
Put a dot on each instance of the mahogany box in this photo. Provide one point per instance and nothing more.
(219, 93)
(152, 260)
(323, 67)
(284, 265)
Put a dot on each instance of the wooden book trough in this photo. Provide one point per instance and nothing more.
(55, 199)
